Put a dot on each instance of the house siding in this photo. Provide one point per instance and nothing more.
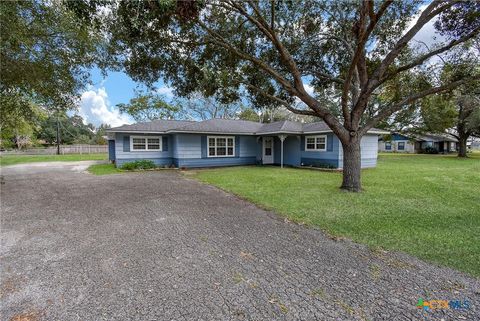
(124, 155)
(190, 150)
(368, 150)
(409, 147)
(329, 157)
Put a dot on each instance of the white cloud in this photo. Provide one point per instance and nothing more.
(167, 91)
(95, 108)
(428, 34)
(309, 89)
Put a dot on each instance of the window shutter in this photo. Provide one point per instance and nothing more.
(126, 143)
(165, 143)
(237, 146)
(203, 141)
(302, 143)
(329, 142)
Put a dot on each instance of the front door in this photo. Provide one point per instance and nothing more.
(267, 150)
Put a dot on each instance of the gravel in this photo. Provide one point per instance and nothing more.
(161, 246)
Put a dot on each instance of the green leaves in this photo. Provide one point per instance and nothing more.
(149, 106)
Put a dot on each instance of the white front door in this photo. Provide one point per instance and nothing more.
(267, 150)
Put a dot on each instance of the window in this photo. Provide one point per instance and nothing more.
(401, 145)
(316, 143)
(220, 146)
(145, 143)
(388, 146)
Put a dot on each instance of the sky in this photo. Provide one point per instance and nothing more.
(98, 102)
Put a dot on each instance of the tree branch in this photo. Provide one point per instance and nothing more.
(421, 59)
(410, 99)
(219, 40)
(280, 101)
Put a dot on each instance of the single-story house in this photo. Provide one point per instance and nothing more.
(402, 143)
(224, 142)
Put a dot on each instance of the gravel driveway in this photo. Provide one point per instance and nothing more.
(159, 246)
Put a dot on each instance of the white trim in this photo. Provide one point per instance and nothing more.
(135, 131)
(216, 147)
(146, 144)
(316, 149)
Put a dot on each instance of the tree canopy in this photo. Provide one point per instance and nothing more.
(45, 50)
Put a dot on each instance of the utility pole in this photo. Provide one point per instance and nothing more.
(58, 136)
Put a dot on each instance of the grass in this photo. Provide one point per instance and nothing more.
(425, 205)
(104, 169)
(6, 160)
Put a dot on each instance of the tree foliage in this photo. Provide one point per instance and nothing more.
(272, 49)
(149, 106)
(44, 52)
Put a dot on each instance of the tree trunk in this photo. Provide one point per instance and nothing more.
(351, 166)
(462, 145)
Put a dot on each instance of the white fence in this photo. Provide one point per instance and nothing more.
(64, 149)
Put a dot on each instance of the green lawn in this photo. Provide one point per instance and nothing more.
(425, 205)
(104, 169)
(18, 159)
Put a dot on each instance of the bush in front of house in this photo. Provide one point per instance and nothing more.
(138, 164)
(431, 150)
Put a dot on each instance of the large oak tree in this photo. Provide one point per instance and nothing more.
(359, 50)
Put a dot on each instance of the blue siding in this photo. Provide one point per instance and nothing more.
(316, 158)
(190, 150)
(214, 161)
(111, 150)
(291, 151)
(399, 137)
(123, 153)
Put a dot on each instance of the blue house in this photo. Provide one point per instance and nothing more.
(224, 142)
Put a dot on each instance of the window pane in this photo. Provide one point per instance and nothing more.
(221, 142)
(138, 146)
(268, 151)
(153, 146)
(230, 142)
(154, 141)
(139, 140)
(211, 142)
(311, 146)
(211, 151)
(221, 151)
(230, 151)
(311, 140)
(321, 146)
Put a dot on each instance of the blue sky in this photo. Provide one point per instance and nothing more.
(97, 104)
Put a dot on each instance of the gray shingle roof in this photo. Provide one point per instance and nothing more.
(222, 126)
(284, 126)
(225, 126)
(152, 126)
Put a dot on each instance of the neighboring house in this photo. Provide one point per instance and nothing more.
(401, 143)
(223, 142)
(397, 143)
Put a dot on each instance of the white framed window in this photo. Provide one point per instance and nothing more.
(221, 146)
(145, 143)
(316, 143)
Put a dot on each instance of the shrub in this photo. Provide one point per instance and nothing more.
(139, 164)
(431, 150)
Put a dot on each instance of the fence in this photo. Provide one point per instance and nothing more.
(64, 149)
